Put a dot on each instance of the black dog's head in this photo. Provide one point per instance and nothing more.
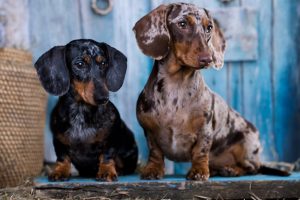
(87, 67)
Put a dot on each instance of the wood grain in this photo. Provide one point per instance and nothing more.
(173, 188)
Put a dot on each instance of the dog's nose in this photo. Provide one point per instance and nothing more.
(205, 58)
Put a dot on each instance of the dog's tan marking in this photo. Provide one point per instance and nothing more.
(86, 91)
(87, 59)
(99, 59)
(107, 170)
(62, 170)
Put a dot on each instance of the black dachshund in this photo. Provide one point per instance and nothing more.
(87, 128)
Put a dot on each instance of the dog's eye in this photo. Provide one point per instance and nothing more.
(103, 63)
(182, 24)
(209, 28)
(79, 64)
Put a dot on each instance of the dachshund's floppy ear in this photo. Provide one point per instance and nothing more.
(217, 46)
(152, 33)
(117, 65)
(52, 71)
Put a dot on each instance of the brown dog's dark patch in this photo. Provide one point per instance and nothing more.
(250, 126)
(160, 85)
(220, 145)
(256, 151)
(145, 103)
(234, 137)
(175, 101)
(228, 118)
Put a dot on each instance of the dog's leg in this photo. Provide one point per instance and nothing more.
(155, 166)
(62, 170)
(107, 168)
(228, 171)
(200, 158)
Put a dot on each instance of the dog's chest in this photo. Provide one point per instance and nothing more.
(175, 119)
(87, 127)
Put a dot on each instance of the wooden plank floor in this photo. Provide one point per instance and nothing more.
(173, 187)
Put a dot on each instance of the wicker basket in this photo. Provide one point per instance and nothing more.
(22, 118)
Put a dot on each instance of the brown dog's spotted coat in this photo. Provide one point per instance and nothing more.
(182, 118)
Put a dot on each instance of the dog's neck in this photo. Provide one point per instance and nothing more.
(170, 66)
(171, 70)
(73, 98)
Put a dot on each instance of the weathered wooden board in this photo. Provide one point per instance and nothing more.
(50, 25)
(245, 187)
(257, 81)
(286, 78)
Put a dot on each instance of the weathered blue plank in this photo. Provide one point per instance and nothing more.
(93, 26)
(211, 4)
(235, 78)
(258, 89)
(239, 27)
(234, 88)
(173, 187)
(74, 181)
(51, 25)
(286, 78)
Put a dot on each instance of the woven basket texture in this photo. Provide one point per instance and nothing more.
(22, 118)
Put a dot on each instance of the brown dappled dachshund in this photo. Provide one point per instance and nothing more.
(182, 118)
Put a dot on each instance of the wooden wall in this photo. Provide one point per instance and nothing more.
(260, 78)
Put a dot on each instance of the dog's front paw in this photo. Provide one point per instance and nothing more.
(59, 176)
(198, 174)
(107, 173)
(62, 171)
(152, 172)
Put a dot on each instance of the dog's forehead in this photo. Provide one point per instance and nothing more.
(183, 9)
(90, 48)
(86, 48)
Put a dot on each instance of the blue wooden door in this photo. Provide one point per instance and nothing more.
(260, 78)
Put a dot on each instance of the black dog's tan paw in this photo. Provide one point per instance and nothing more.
(62, 171)
(59, 176)
(107, 173)
(198, 174)
(151, 172)
(107, 176)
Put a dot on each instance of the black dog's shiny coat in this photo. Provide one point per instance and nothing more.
(87, 129)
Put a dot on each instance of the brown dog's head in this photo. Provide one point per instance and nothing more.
(184, 29)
